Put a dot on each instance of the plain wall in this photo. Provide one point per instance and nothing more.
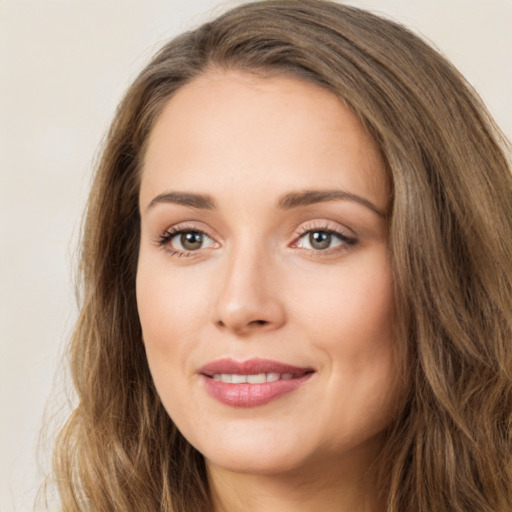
(63, 67)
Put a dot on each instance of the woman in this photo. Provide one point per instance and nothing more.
(296, 279)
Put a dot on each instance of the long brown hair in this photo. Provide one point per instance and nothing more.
(450, 447)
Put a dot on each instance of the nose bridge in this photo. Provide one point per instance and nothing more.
(248, 296)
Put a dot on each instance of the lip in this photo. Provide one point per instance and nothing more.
(252, 395)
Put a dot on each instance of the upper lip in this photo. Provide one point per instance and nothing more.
(252, 367)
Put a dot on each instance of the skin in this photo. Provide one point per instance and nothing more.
(258, 288)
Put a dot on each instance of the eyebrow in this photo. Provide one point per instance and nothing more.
(288, 201)
(199, 201)
(308, 197)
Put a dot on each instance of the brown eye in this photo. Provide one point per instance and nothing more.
(191, 240)
(183, 241)
(320, 239)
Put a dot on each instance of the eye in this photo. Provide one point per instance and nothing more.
(323, 240)
(181, 242)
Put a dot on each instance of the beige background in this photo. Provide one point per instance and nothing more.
(63, 68)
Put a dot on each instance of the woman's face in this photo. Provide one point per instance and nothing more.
(264, 282)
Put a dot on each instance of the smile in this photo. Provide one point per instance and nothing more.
(252, 383)
(258, 378)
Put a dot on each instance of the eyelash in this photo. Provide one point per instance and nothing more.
(347, 241)
(165, 239)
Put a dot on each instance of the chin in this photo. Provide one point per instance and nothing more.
(269, 452)
(265, 455)
(267, 464)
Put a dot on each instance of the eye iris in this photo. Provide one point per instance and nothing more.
(191, 240)
(320, 239)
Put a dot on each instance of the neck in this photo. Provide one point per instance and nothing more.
(329, 487)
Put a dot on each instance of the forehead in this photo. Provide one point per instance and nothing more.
(257, 133)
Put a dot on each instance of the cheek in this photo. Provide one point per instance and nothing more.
(352, 310)
(168, 310)
(352, 323)
(167, 320)
(168, 301)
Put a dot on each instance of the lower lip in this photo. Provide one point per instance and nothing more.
(252, 395)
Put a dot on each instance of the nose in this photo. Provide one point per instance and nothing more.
(249, 298)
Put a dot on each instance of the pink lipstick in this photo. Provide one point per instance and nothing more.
(253, 382)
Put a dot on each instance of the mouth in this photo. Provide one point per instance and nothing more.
(257, 378)
(252, 383)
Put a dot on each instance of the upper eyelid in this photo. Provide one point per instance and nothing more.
(320, 225)
(330, 226)
(186, 227)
